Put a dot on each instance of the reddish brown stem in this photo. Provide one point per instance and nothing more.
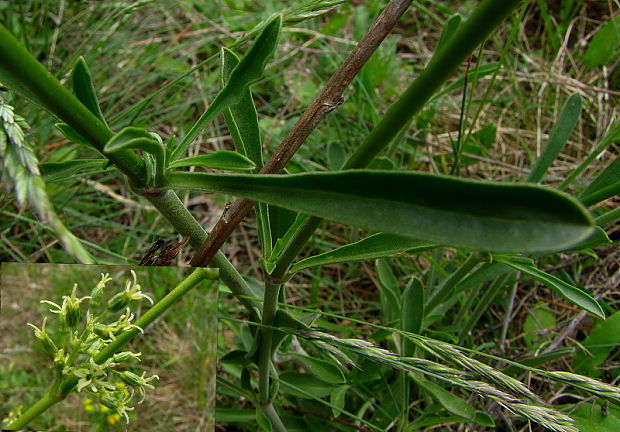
(327, 100)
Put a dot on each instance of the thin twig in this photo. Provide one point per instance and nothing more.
(328, 99)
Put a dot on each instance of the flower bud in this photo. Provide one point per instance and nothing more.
(48, 344)
(97, 293)
(108, 401)
(103, 331)
(125, 356)
(118, 302)
(131, 379)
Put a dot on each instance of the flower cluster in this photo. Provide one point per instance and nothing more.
(80, 342)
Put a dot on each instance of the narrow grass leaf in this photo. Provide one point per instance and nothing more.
(496, 217)
(609, 176)
(601, 194)
(563, 128)
(389, 294)
(378, 245)
(412, 313)
(84, 89)
(53, 171)
(248, 71)
(569, 292)
(223, 159)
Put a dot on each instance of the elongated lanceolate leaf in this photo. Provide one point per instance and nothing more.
(84, 89)
(563, 128)
(569, 292)
(378, 245)
(224, 159)
(248, 71)
(241, 118)
(450, 211)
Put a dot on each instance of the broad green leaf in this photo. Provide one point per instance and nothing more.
(322, 369)
(449, 401)
(448, 30)
(224, 160)
(337, 399)
(378, 245)
(569, 292)
(604, 45)
(597, 238)
(70, 133)
(248, 71)
(84, 89)
(303, 385)
(412, 313)
(389, 292)
(590, 417)
(609, 176)
(496, 217)
(61, 170)
(563, 128)
(600, 342)
(241, 118)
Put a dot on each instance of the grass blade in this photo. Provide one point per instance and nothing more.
(563, 128)
(223, 159)
(456, 212)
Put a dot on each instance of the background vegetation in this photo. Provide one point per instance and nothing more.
(138, 49)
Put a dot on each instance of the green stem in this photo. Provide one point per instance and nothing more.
(51, 398)
(270, 305)
(171, 207)
(21, 71)
(271, 413)
(487, 16)
(446, 289)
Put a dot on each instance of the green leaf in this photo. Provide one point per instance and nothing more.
(563, 128)
(597, 238)
(590, 417)
(538, 326)
(412, 313)
(597, 346)
(604, 45)
(248, 71)
(304, 386)
(605, 185)
(389, 294)
(337, 399)
(241, 118)
(496, 217)
(322, 369)
(70, 133)
(61, 170)
(223, 159)
(449, 401)
(263, 421)
(378, 245)
(84, 89)
(449, 29)
(140, 139)
(569, 292)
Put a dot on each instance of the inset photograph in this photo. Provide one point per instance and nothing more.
(107, 348)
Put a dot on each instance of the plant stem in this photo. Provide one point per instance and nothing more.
(51, 398)
(326, 101)
(21, 71)
(171, 207)
(271, 413)
(448, 286)
(270, 305)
